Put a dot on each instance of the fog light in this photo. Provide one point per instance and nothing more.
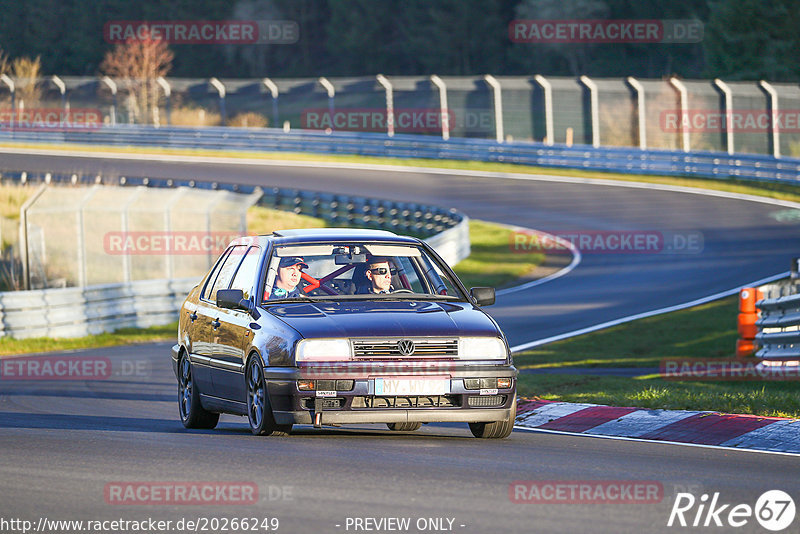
(305, 385)
(503, 383)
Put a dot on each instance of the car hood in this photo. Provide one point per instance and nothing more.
(385, 318)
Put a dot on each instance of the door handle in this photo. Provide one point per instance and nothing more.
(216, 323)
(193, 316)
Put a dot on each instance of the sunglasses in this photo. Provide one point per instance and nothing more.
(383, 270)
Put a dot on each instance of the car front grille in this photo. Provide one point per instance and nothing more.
(389, 348)
(433, 401)
(486, 401)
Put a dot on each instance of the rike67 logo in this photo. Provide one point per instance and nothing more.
(774, 510)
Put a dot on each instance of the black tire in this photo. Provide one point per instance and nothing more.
(497, 429)
(404, 427)
(193, 415)
(259, 411)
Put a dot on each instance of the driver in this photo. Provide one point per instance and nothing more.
(285, 286)
(379, 273)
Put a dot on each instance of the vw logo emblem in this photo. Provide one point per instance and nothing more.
(405, 347)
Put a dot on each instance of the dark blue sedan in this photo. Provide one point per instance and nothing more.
(340, 326)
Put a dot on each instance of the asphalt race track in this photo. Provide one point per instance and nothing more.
(740, 241)
(64, 443)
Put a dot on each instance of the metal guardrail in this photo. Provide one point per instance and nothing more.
(610, 159)
(76, 311)
(779, 327)
(425, 221)
(71, 312)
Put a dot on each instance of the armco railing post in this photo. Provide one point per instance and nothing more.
(497, 93)
(23, 235)
(220, 87)
(83, 271)
(594, 113)
(641, 110)
(387, 86)
(727, 110)
(112, 85)
(328, 86)
(273, 91)
(548, 107)
(445, 113)
(168, 95)
(772, 111)
(11, 89)
(683, 97)
(62, 87)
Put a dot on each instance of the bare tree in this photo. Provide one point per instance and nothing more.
(139, 63)
(3, 62)
(27, 72)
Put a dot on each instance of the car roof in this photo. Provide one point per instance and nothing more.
(317, 235)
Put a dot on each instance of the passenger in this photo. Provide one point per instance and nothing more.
(285, 286)
(379, 274)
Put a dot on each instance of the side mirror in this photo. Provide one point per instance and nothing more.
(483, 296)
(232, 299)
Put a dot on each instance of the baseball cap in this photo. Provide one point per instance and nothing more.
(291, 261)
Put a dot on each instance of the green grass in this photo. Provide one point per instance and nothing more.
(261, 220)
(123, 336)
(707, 331)
(777, 399)
(736, 185)
(491, 262)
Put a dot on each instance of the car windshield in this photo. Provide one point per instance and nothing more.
(357, 271)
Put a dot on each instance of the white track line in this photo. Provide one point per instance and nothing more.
(651, 313)
(569, 245)
(481, 174)
(170, 158)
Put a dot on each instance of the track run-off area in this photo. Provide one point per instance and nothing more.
(65, 444)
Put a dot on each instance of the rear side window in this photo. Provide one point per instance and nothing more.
(246, 273)
(226, 272)
(213, 276)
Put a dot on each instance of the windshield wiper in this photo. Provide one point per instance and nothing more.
(301, 298)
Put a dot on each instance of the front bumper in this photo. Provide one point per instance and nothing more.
(361, 405)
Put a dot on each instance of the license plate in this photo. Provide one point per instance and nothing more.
(411, 386)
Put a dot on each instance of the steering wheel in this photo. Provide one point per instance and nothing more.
(402, 290)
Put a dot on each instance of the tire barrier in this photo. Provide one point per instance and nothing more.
(778, 325)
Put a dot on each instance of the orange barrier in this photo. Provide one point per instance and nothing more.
(746, 322)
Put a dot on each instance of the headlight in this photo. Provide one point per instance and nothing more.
(481, 348)
(323, 350)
